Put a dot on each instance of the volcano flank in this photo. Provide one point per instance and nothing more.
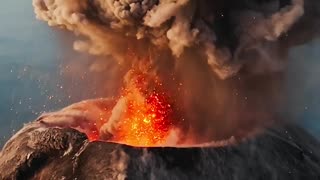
(40, 152)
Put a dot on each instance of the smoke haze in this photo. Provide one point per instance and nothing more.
(221, 61)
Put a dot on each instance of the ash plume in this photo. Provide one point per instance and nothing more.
(221, 60)
(229, 34)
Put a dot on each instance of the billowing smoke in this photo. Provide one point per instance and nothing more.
(220, 60)
(229, 33)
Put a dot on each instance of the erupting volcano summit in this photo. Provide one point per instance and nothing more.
(199, 88)
(219, 62)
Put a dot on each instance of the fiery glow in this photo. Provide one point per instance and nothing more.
(146, 121)
(93, 135)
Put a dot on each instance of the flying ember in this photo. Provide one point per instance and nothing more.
(146, 120)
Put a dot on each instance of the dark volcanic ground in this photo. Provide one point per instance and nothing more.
(38, 152)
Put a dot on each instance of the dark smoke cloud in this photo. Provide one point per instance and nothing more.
(229, 33)
(199, 43)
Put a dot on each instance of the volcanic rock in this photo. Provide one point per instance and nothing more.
(40, 152)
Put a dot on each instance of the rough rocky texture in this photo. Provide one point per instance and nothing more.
(35, 147)
(38, 152)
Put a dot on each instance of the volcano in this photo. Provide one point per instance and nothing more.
(41, 150)
(219, 64)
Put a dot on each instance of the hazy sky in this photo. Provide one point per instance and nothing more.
(28, 65)
(304, 86)
(31, 59)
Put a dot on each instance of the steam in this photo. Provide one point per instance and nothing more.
(225, 56)
(110, 128)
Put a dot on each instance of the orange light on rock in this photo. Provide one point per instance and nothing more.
(146, 121)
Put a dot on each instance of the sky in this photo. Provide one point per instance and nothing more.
(29, 67)
(303, 86)
(32, 55)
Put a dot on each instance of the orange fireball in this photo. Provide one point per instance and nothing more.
(146, 121)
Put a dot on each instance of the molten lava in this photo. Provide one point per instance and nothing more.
(147, 119)
(146, 122)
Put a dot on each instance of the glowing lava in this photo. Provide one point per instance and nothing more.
(146, 122)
